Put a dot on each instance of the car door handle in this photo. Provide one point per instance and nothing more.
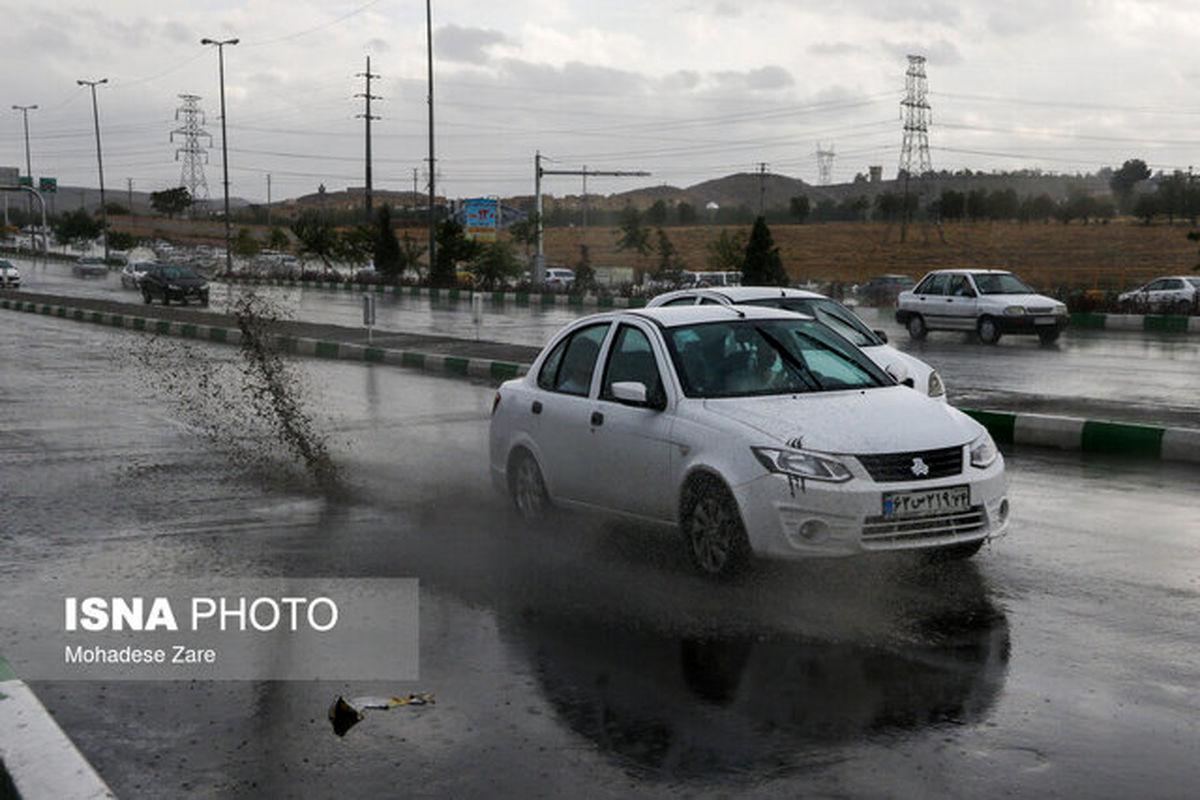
(597, 418)
(949, 299)
(537, 407)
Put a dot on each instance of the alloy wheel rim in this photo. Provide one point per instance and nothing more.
(529, 489)
(988, 328)
(710, 535)
(914, 326)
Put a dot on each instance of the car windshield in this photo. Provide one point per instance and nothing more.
(828, 312)
(1000, 283)
(744, 358)
(1194, 282)
(175, 273)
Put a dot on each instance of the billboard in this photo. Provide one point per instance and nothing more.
(482, 218)
(9, 177)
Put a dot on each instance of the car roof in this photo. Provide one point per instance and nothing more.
(971, 271)
(676, 316)
(736, 294)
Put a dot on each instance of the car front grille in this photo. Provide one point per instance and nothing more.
(885, 533)
(1040, 309)
(896, 467)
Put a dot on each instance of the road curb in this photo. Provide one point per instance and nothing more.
(1091, 435)
(464, 366)
(515, 298)
(1150, 323)
(37, 759)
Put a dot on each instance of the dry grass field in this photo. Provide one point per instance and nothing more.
(1121, 253)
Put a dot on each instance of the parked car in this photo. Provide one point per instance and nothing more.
(1179, 294)
(559, 278)
(990, 302)
(89, 267)
(131, 274)
(168, 282)
(754, 431)
(10, 276)
(827, 311)
(882, 290)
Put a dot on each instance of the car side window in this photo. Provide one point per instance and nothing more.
(708, 301)
(631, 358)
(959, 286)
(937, 284)
(681, 301)
(1154, 286)
(569, 367)
(1173, 283)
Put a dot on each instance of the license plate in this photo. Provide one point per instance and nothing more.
(1043, 320)
(927, 503)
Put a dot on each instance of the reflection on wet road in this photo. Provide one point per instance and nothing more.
(1062, 661)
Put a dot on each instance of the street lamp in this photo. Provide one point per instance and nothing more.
(220, 45)
(99, 159)
(28, 164)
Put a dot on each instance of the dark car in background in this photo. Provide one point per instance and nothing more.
(168, 283)
(882, 290)
(90, 267)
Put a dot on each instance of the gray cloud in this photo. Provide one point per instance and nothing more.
(940, 52)
(834, 48)
(466, 45)
(378, 45)
(769, 77)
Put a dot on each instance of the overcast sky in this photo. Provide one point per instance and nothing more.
(687, 89)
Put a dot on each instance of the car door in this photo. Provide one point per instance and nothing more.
(931, 301)
(631, 443)
(565, 406)
(1152, 294)
(1171, 294)
(961, 302)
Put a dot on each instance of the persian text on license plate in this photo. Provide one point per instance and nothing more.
(927, 503)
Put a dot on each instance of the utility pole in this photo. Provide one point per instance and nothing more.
(220, 45)
(824, 165)
(366, 117)
(268, 199)
(99, 159)
(539, 259)
(195, 154)
(762, 187)
(585, 197)
(916, 116)
(432, 219)
(28, 163)
(129, 194)
(416, 194)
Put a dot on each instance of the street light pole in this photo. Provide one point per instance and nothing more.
(99, 159)
(432, 169)
(28, 164)
(220, 44)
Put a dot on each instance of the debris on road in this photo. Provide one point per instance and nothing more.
(345, 714)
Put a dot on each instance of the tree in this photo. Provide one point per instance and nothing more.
(277, 239)
(669, 263)
(410, 255)
(245, 245)
(120, 240)
(386, 246)
(889, 205)
(317, 236)
(1003, 204)
(977, 204)
(952, 205)
(1126, 178)
(762, 266)
(76, 226)
(1145, 208)
(355, 246)
(687, 214)
(493, 263)
(585, 275)
(453, 246)
(115, 209)
(171, 201)
(524, 232)
(727, 252)
(799, 207)
(657, 213)
(633, 234)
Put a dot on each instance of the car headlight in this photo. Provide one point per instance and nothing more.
(1060, 309)
(1014, 311)
(983, 451)
(809, 466)
(936, 387)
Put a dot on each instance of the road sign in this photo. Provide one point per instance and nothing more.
(27, 180)
(482, 215)
(9, 177)
(48, 184)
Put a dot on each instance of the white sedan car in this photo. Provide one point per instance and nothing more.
(832, 314)
(991, 302)
(754, 431)
(10, 276)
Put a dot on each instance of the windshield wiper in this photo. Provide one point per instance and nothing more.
(806, 374)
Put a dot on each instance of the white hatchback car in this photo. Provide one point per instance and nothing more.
(10, 276)
(990, 302)
(825, 310)
(1179, 294)
(754, 431)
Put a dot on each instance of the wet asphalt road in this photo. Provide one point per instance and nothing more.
(1097, 374)
(583, 658)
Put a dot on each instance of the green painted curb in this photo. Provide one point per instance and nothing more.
(456, 365)
(1121, 439)
(6, 672)
(1000, 424)
(327, 349)
(1086, 319)
(1165, 323)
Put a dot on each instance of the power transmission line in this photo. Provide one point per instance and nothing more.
(824, 165)
(916, 116)
(195, 154)
(366, 117)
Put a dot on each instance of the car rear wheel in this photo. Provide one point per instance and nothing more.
(1183, 307)
(916, 327)
(713, 530)
(988, 330)
(1049, 336)
(526, 486)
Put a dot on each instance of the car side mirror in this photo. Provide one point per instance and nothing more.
(630, 392)
(882, 334)
(899, 374)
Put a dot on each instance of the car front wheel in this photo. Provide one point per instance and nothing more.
(713, 530)
(1049, 336)
(526, 485)
(988, 330)
(916, 327)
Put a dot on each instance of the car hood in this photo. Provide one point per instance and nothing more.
(894, 419)
(884, 355)
(1021, 299)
